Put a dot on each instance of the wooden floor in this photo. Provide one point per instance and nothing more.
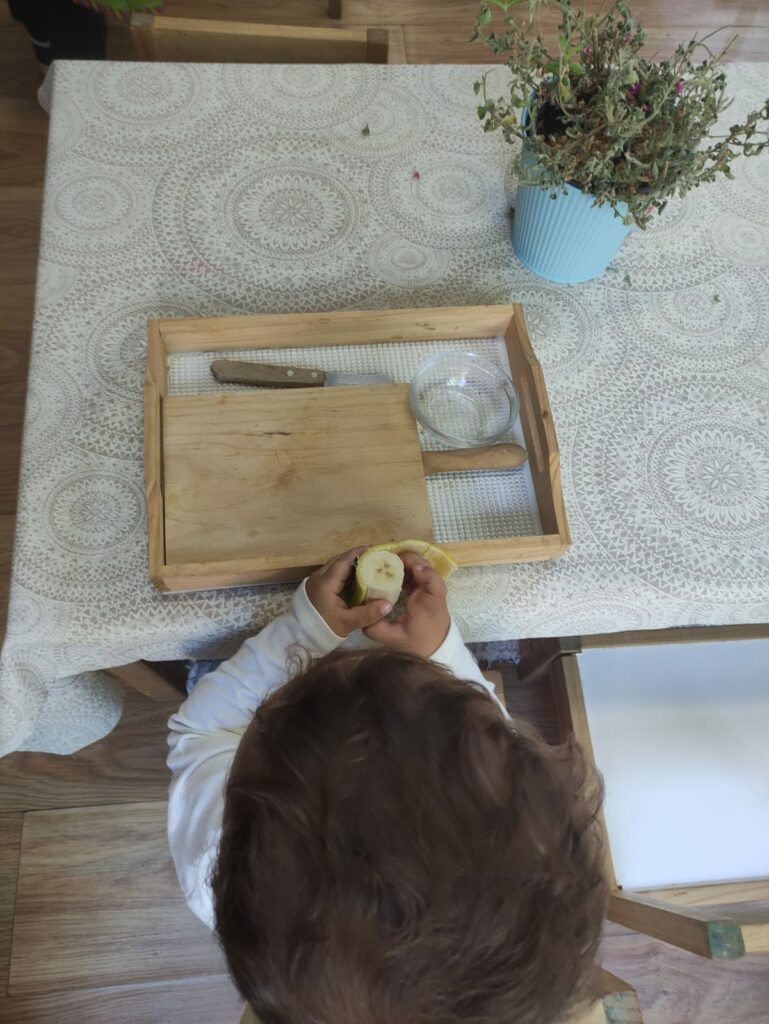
(106, 802)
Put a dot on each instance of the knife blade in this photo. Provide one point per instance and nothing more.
(266, 375)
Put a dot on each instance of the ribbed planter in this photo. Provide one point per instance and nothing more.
(566, 238)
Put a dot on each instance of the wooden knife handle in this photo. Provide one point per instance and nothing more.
(493, 456)
(230, 371)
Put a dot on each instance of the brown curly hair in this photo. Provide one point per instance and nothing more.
(396, 851)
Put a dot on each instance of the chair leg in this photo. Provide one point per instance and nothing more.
(335, 8)
(538, 654)
(142, 36)
(377, 45)
(705, 932)
(753, 920)
(617, 1001)
(148, 681)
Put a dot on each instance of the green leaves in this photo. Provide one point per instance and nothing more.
(625, 129)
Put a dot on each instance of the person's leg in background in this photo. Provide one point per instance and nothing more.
(61, 30)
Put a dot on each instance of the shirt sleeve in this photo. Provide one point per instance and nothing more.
(457, 659)
(207, 728)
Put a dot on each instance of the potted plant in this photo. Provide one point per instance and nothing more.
(608, 137)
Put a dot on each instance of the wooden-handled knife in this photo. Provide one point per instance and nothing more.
(492, 456)
(265, 375)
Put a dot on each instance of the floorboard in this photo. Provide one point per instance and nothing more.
(7, 529)
(675, 987)
(98, 903)
(10, 847)
(126, 766)
(23, 137)
(192, 1001)
(20, 207)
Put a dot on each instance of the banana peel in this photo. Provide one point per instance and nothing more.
(379, 570)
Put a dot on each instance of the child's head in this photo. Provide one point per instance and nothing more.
(395, 851)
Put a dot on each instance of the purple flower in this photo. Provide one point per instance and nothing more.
(680, 87)
(635, 89)
(587, 51)
(645, 107)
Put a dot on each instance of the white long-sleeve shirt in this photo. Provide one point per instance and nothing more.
(207, 728)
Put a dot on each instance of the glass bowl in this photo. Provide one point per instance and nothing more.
(463, 399)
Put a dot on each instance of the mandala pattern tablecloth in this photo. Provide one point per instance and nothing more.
(180, 189)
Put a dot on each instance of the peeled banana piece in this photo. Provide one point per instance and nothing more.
(379, 571)
(431, 553)
(378, 576)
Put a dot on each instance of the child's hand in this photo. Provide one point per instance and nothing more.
(424, 625)
(324, 589)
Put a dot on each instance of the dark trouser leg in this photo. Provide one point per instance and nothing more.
(60, 30)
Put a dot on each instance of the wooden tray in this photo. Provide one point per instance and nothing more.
(261, 487)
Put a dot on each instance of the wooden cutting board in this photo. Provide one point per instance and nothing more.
(311, 472)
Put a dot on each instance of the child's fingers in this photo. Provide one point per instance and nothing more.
(423, 576)
(337, 569)
(385, 632)
(426, 578)
(411, 560)
(366, 616)
(423, 608)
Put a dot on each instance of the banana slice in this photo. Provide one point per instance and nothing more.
(437, 558)
(378, 575)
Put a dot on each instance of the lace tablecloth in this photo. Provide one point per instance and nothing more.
(203, 190)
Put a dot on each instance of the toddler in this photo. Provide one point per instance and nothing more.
(370, 835)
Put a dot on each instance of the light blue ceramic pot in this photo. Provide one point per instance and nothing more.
(566, 238)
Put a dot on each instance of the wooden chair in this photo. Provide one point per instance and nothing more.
(706, 921)
(199, 40)
(538, 654)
